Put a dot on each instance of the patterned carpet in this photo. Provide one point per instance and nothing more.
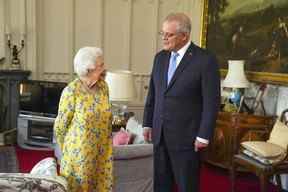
(8, 160)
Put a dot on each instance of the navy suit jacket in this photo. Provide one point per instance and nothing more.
(186, 108)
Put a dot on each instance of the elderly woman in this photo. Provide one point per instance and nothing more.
(83, 126)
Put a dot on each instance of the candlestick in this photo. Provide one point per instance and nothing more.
(7, 32)
(15, 50)
(7, 29)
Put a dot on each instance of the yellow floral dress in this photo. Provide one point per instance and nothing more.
(83, 133)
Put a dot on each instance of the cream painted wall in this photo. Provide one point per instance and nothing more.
(55, 39)
(127, 30)
(2, 30)
(13, 24)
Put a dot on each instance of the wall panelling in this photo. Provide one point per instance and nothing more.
(127, 30)
(2, 30)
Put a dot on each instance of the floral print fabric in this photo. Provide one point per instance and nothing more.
(28, 182)
(83, 132)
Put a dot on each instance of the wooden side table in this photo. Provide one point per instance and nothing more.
(231, 130)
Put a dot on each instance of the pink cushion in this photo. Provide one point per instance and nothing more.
(122, 137)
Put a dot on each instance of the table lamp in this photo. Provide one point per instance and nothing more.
(121, 91)
(236, 80)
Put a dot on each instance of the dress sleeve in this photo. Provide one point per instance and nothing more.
(65, 115)
(106, 93)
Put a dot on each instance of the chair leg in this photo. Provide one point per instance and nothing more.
(233, 175)
(263, 183)
(278, 182)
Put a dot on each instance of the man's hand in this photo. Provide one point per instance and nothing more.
(199, 146)
(147, 133)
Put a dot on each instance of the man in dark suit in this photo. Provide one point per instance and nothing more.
(181, 106)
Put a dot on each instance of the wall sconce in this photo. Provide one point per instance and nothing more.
(15, 49)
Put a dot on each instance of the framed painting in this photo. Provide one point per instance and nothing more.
(252, 30)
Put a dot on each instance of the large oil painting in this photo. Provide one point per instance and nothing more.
(253, 30)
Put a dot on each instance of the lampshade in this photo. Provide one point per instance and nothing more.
(235, 77)
(121, 85)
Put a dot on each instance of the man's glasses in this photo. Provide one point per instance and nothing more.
(166, 34)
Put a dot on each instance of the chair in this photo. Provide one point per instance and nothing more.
(133, 168)
(262, 170)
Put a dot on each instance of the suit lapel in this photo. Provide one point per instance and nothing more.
(186, 60)
(164, 71)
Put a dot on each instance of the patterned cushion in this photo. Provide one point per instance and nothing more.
(136, 129)
(279, 134)
(122, 137)
(47, 166)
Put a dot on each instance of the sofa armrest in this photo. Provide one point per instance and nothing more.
(122, 152)
(20, 181)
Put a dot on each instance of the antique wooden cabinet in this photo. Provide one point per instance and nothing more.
(231, 130)
(9, 97)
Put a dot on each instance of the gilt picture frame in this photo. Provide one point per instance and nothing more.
(253, 30)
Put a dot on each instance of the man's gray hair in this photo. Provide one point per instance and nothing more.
(184, 22)
(85, 59)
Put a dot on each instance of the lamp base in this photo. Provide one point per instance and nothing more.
(235, 96)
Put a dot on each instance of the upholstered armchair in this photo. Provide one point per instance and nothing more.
(133, 168)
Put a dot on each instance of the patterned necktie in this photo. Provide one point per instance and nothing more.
(172, 66)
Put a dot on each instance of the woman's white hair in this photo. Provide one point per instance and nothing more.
(85, 59)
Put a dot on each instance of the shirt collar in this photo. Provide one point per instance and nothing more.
(183, 50)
